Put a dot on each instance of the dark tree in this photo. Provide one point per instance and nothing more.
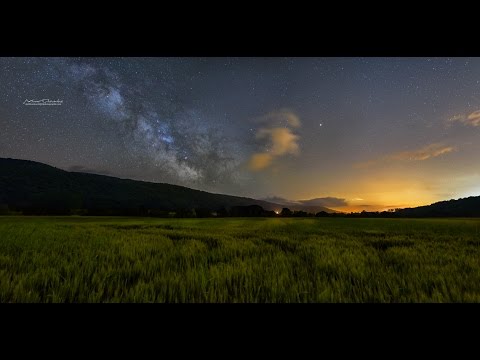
(222, 212)
(186, 213)
(286, 212)
(300, 213)
(203, 212)
(252, 210)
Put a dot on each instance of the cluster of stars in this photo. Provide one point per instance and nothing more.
(194, 121)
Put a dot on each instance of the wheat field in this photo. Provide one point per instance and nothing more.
(238, 260)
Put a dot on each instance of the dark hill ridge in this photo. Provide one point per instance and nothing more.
(464, 207)
(34, 187)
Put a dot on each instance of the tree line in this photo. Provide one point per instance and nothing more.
(194, 212)
(469, 207)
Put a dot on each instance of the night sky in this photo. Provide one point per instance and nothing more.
(347, 133)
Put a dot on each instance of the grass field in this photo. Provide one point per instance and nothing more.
(88, 259)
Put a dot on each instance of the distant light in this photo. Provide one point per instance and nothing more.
(277, 212)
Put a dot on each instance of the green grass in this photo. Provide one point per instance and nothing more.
(89, 259)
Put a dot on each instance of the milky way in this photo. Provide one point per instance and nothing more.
(353, 133)
(127, 118)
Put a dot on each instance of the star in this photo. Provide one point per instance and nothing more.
(197, 122)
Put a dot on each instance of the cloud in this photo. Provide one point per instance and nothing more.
(472, 119)
(456, 118)
(260, 161)
(278, 140)
(325, 201)
(278, 200)
(424, 153)
(283, 141)
(427, 152)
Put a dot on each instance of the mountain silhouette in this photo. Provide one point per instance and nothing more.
(463, 207)
(36, 188)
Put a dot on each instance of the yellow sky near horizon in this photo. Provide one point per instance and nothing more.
(405, 179)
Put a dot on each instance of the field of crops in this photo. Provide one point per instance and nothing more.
(95, 259)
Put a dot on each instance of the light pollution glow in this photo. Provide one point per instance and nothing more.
(350, 134)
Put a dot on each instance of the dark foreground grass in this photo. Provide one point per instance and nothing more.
(69, 259)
